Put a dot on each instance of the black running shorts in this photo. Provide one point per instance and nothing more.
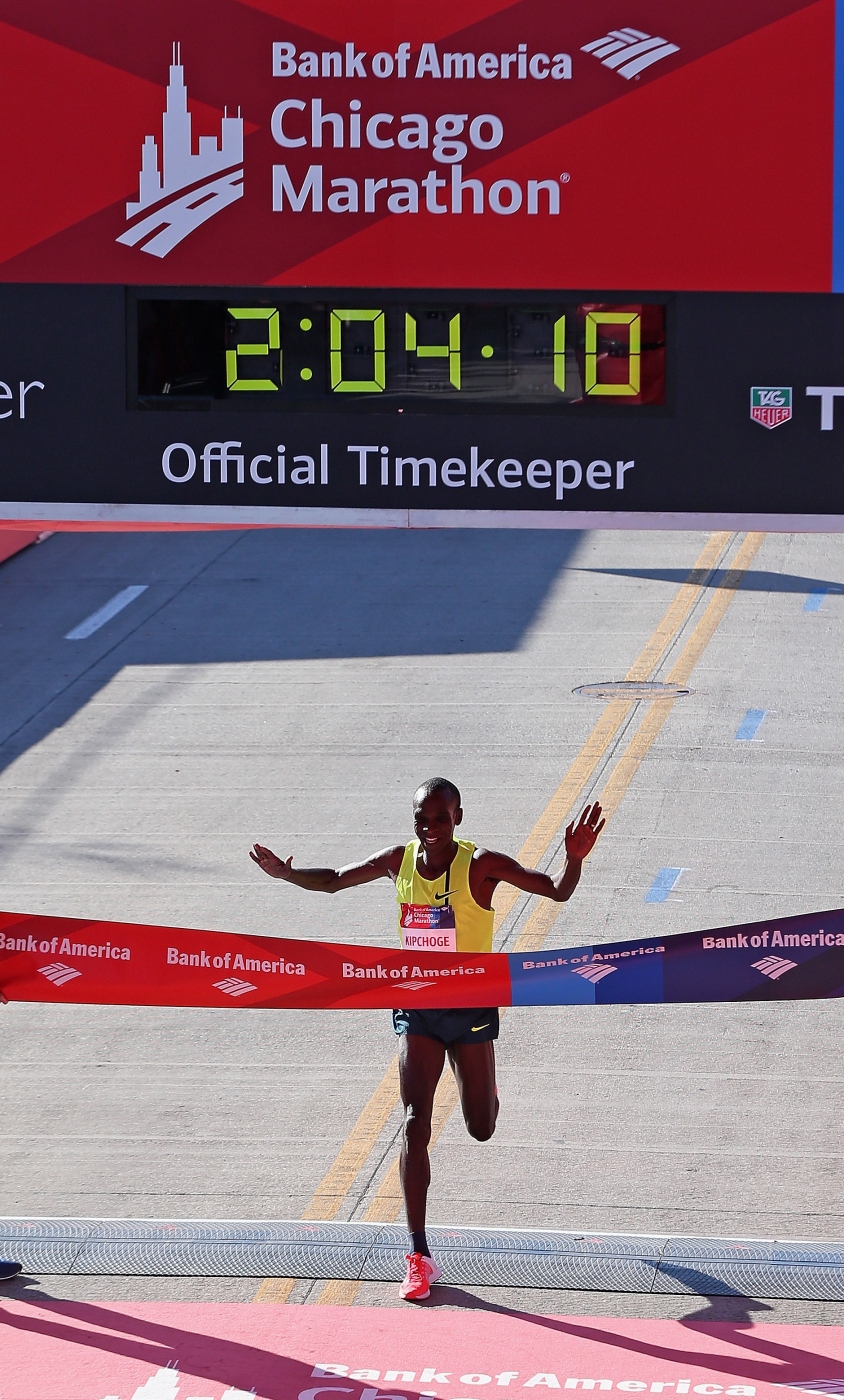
(462, 1027)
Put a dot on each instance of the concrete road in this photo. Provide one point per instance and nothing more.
(293, 687)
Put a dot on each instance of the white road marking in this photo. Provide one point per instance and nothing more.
(104, 614)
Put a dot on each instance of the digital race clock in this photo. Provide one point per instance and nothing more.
(417, 351)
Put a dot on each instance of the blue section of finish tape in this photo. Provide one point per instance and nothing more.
(791, 959)
(581, 976)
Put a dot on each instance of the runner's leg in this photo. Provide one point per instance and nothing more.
(421, 1062)
(474, 1070)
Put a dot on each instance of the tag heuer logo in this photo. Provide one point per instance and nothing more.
(770, 407)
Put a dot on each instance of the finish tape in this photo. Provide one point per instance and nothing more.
(47, 959)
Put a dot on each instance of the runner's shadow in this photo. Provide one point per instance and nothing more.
(733, 1308)
(246, 1366)
(782, 1364)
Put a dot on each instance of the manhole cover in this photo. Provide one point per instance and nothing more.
(631, 690)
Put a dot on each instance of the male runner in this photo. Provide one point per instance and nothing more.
(448, 884)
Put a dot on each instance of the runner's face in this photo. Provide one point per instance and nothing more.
(434, 820)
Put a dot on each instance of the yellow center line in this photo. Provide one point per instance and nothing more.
(545, 915)
(657, 713)
(340, 1177)
(612, 719)
(338, 1181)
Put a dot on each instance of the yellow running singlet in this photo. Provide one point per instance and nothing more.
(473, 924)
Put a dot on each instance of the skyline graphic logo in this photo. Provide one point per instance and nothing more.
(770, 407)
(773, 967)
(594, 972)
(165, 1383)
(59, 973)
(630, 51)
(199, 173)
(235, 987)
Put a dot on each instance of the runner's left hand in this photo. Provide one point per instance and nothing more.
(581, 838)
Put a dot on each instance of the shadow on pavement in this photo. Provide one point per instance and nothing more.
(754, 581)
(254, 596)
(243, 1365)
(724, 1319)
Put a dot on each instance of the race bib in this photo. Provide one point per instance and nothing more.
(425, 929)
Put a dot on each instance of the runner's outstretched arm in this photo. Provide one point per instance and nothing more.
(580, 839)
(383, 863)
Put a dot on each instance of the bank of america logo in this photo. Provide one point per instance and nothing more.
(630, 51)
(234, 987)
(59, 973)
(774, 967)
(415, 986)
(182, 168)
(594, 972)
(770, 407)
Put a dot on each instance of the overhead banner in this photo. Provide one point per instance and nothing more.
(453, 264)
(468, 144)
(47, 959)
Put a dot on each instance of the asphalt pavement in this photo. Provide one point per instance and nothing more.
(293, 687)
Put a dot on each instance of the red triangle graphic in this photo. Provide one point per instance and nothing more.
(375, 26)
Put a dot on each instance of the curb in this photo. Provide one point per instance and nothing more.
(604, 1262)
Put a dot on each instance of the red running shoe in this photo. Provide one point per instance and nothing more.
(421, 1273)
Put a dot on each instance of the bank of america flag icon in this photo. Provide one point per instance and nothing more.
(630, 51)
(835, 1388)
(594, 972)
(59, 973)
(235, 987)
(774, 967)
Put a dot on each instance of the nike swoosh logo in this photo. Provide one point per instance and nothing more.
(481, 1028)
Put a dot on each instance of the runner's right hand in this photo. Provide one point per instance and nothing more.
(270, 863)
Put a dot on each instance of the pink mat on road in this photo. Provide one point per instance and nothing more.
(231, 1351)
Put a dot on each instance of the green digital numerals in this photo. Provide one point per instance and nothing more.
(633, 320)
(371, 344)
(273, 342)
(451, 351)
(560, 354)
(378, 383)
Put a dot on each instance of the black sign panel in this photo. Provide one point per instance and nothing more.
(176, 404)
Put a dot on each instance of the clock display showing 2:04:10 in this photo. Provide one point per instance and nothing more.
(324, 354)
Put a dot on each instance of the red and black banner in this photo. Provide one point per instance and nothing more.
(464, 263)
